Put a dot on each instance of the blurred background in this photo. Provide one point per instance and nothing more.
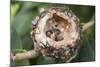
(22, 14)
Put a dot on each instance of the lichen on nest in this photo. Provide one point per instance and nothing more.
(57, 33)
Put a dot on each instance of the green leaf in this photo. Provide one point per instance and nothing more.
(27, 42)
(23, 19)
(14, 8)
(42, 60)
(87, 53)
(22, 62)
(15, 39)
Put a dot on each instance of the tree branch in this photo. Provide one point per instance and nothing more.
(88, 25)
(34, 53)
(25, 55)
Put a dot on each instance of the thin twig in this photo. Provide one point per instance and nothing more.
(34, 53)
(88, 25)
(25, 55)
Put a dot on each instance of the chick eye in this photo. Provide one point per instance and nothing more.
(49, 33)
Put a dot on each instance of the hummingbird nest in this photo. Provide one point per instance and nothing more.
(56, 33)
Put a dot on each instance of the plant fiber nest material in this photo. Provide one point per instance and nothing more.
(56, 33)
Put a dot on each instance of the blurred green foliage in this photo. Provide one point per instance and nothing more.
(22, 14)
